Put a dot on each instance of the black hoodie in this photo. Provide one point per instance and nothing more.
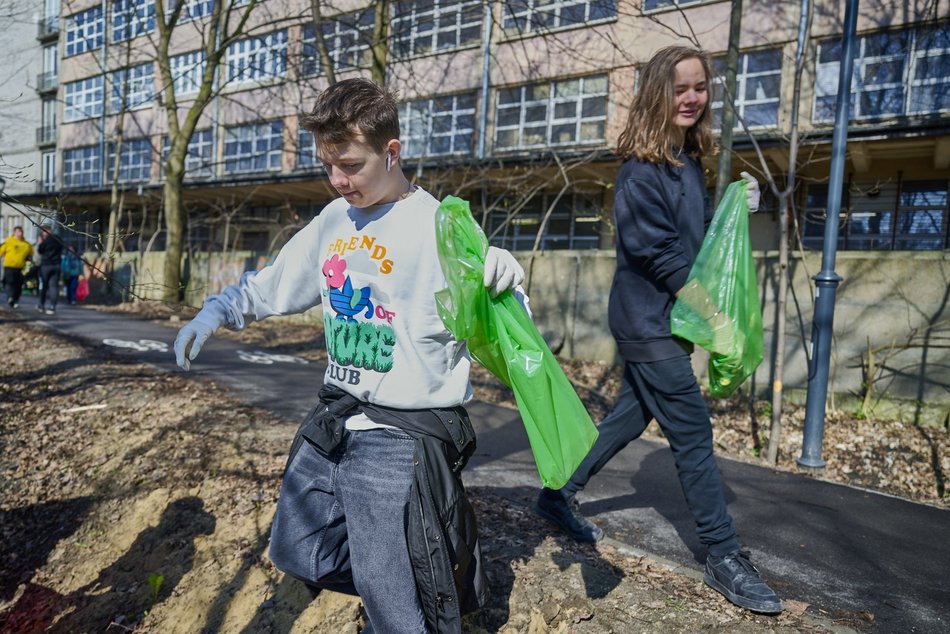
(661, 213)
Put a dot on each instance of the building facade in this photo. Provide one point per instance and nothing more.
(27, 107)
(512, 104)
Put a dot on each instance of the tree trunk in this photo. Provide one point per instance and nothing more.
(724, 169)
(175, 223)
(775, 434)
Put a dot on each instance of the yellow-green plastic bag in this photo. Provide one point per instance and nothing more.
(501, 336)
(718, 308)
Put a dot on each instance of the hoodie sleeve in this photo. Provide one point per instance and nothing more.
(647, 232)
(290, 285)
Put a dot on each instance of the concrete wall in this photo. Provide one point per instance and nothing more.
(895, 303)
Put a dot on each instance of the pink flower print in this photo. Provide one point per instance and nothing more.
(334, 270)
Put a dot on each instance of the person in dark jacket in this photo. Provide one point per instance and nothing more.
(372, 501)
(662, 210)
(50, 249)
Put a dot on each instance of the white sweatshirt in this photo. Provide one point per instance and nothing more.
(376, 271)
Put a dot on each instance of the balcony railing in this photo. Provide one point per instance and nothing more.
(46, 135)
(48, 27)
(47, 82)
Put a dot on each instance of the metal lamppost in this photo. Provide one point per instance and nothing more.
(826, 281)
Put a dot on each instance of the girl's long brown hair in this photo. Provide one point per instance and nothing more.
(651, 134)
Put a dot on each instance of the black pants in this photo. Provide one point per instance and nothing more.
(49, 285)
(13, 282)
(667, 391)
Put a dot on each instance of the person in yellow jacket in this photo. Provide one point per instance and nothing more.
(16, 252)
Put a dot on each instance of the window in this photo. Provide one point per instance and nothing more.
(195, 9)
(758, 88)
(438, 126)
(82, 167)
(51, 59)
(199, 157)
(258, 58)
(135, 161)
(922, 216)
(930, 71)
(48, 120)
(307, 149)
(561, 113)
(253, 148)
(903, 216)
(84, 31)
(131, 18)
(895, 73)
(529, 16)
(425, 26)
(654, 5)
(187, 71)
(48, 178)
(137, 84)
(347, 38)
(309, 56)
(83, 99)
(574, 223)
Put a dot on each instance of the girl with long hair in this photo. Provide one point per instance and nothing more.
(662, 211)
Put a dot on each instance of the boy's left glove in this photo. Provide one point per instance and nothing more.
(752, 192)
(502, 271)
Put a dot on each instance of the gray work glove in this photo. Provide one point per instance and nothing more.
(195, 333)
(502, 271)
(752, 192)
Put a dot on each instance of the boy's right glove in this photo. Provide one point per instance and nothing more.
(195, 333)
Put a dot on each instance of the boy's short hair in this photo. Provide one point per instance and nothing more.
(350, 107)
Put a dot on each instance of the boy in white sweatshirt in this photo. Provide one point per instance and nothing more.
(372, 487)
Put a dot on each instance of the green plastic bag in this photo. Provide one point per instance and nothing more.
(718, 308)
(501, 336)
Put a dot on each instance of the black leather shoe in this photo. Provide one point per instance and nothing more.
(551, 505)
(738, 580)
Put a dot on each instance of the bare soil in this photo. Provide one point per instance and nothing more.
(129, 501)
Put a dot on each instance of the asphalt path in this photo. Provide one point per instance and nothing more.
(836, 547)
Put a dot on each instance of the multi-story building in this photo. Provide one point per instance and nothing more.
(512, 104)
(28, 108)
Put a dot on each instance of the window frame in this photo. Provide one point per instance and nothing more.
(131, 18)
(410, 113)
(89, 158)
(141, 87)
(743, 76)
(551, 103)
(408, 15)
(907, 53)
(184, 77)
(355, 25)
(93, 86)
(135, 160)
(582, 206)
(84, 34)
(272, 154)
(199, 156)
(522, 21)
(256, 59)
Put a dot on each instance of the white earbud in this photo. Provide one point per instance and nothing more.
(389, 161)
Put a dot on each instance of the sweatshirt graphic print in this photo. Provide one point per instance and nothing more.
(376, 272)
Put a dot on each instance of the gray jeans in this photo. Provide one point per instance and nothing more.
(341, 525)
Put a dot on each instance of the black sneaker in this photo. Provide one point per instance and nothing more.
(551, 505)
(738, 580)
